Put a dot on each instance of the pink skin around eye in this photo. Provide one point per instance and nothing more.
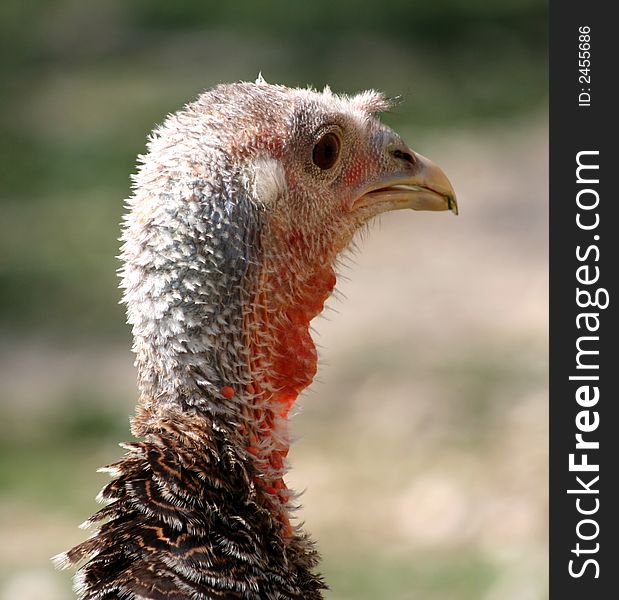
(355, 172)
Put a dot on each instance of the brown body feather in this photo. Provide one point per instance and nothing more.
(186, 520)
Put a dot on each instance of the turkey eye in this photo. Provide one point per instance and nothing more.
(326, 151)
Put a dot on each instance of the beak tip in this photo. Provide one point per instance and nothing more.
(452, 205)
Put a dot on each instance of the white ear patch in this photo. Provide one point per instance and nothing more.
(269, 180)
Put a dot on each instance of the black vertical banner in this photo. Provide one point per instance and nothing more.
(584, 337)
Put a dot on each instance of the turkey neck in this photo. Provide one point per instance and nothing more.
(253, 404)
(226, 344)
(283, 361)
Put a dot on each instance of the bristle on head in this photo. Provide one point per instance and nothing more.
(373, 102)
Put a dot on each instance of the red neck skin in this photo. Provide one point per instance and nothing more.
(283, 360)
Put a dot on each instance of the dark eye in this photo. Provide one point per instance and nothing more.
(326, 151)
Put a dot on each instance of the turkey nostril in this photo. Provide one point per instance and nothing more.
(397, 153)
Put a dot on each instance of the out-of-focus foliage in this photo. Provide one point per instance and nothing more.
(83, 82)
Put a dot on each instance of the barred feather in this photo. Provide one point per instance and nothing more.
(185, 520)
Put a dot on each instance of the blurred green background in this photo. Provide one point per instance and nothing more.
(424, 444)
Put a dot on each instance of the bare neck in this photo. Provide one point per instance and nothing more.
(238, 366)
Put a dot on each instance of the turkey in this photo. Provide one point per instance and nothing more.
(240, 209)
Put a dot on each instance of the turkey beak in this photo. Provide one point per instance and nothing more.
(434, 191)
(426, 188)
